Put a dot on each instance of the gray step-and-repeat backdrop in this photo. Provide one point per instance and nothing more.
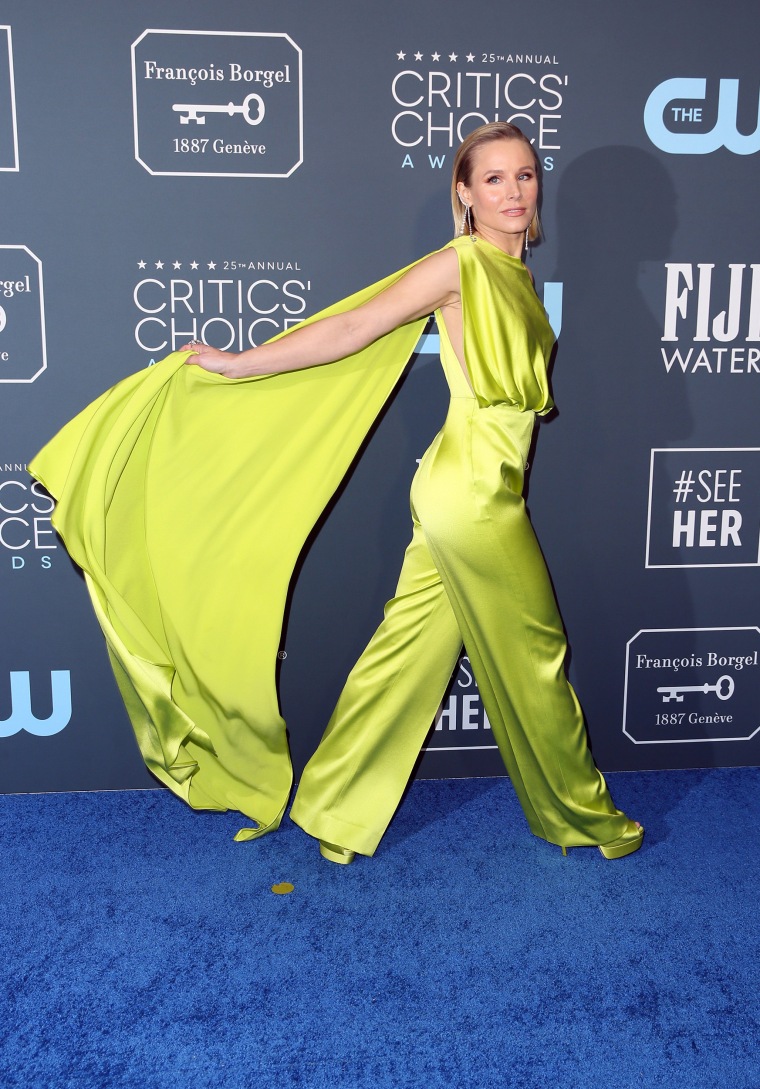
(175, 169)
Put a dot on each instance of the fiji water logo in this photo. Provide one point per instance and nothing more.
(675, 102)
(22, 716)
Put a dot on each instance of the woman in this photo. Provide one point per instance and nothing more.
(473, 571)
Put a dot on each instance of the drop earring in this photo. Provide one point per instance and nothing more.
(527, 240)
(468, 216)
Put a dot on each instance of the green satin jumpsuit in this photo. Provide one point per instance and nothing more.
(472, 573)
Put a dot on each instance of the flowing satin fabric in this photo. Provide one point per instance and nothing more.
(186, 498)
(473, 572)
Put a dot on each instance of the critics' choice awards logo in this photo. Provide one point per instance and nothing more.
(27, 537)
(704, 508)
(461, 721)
(217, 104)
(438, 98)
(681, 118)
(52, 694)
(23, 352)
(232, 304)
(687, 685)
(712, 319)
(8, 131)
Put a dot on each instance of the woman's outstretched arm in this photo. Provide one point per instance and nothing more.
(432, 283)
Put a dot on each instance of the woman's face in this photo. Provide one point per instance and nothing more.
(503, 192)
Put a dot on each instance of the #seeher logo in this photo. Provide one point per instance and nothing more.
(461, 721)
(704, 507)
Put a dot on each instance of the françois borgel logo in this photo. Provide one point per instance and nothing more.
(23, 352)
(8, 132)
(680, 118)
(711, 319)
(704, 508)
(687, 685)
(217, 103)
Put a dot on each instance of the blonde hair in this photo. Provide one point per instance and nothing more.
(463, 160)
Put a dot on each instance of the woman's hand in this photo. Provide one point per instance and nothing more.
(211, 359)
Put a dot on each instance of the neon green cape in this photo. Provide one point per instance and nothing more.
(186, 499)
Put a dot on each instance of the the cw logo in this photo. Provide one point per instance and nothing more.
(724, 134)
(22, 717)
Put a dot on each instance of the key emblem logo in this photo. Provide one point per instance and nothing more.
(217, 104)
(724, 689)
(252, 109)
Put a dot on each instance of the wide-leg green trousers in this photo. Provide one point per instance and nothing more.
(473, 574)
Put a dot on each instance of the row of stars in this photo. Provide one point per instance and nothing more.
(469, 57)
(177, 265)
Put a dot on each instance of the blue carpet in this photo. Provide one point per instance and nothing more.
(143, 948)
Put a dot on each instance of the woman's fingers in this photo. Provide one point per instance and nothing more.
(193, 346)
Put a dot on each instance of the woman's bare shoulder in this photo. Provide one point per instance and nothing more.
(439, 270)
